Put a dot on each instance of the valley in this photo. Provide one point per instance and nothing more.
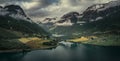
(59, 30)
(99, 25)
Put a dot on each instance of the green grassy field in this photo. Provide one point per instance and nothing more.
(103, 40)
(106, 40)
(24, 43)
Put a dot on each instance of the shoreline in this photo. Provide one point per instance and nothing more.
(25, 50)
(13, 50)
(50, 47)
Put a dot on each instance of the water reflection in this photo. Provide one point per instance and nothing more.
(75, 52)
(11, 56)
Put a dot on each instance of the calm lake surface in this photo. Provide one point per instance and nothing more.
(67, 52)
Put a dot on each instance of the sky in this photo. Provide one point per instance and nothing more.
(40, 9)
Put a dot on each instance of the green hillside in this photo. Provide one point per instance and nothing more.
(13, 30)
(21, 25)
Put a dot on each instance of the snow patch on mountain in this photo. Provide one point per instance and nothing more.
(16, 13)
(102, 7)
(66, 23)
(95, 7)
(98, 18)
(110, 4)
(3, 12)
(20, 17)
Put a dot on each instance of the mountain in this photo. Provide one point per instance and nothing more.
(13, 18)
(67, 19)
(92, 13)
(98, 18)
(99, 11)
(14, 11)
(72, 16)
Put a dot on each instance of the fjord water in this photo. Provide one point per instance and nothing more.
(75, 52)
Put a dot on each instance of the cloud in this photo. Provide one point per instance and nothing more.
(39, 9)
(64, 6)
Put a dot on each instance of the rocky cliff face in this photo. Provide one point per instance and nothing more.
(14, 11)
(99, 11)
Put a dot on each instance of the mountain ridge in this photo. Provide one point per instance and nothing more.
(93, 21)
(13, 17)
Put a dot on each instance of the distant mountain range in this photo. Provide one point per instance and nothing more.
(96, 18)
(92, 13)
(66, 20)
(13, 20)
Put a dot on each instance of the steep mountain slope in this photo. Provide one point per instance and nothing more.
(97, 21)
(72, 16)
(18, 32)
(99, 11)
(13, 18)
(14, 9)
(67, 19)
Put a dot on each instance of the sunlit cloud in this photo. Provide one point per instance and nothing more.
(29, 5)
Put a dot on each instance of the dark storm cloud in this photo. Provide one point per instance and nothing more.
(47, 8)
(32, 7)
(38, 10)
(6, 1)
